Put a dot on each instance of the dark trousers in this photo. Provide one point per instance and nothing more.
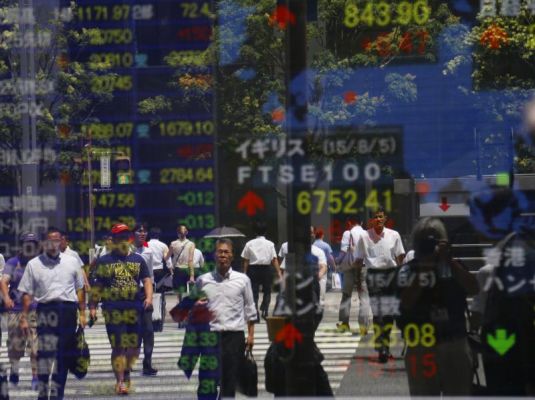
(350, 279)
(228, 354)
(148, 336)
(159, 274)
(261, 275)
(56, 329)
(382, 326)
(232, 350)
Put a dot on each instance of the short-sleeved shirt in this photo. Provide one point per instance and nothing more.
(379, 251)
(182, 250)
(354, 233)
(118, 277)
(14, 271)
(159, 249)
(52, 279)
(230, 299)
(326, 247)
(259, 251)
(314, 250)
(74, 254)
(198, 259)
(148, 256)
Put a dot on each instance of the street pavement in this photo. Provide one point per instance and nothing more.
(350, 363)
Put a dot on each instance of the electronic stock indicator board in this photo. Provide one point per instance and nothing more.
(172, 177)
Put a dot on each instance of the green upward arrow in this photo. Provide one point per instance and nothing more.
(500, 342)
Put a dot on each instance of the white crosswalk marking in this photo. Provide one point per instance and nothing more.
(170, 383)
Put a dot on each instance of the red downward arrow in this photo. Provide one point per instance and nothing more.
(251, 202)
(289, 335)
(444, 205)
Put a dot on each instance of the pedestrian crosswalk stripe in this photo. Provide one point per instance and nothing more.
(171, 383)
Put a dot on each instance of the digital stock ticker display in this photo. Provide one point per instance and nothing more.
(158, 167)
(303, 116)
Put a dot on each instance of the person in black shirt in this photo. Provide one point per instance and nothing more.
(433, 290)
(116, 281)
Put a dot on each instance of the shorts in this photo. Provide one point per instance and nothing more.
(124, 326)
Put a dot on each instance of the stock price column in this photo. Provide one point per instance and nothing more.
(148, 53)
(107, 54)
(175, 169)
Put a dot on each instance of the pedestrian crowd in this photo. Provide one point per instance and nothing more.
(46, 292)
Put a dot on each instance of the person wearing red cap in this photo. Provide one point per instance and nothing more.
(116, 280)
(19, 340)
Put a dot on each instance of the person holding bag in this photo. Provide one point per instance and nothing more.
(229, 298)
(181, 251)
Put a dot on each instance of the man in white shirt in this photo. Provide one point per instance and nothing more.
(378, 248)
(350, 238)
(259, 257)
(322, 272)
(66, 249)
(55, 281)
(198, 261)
(230, 301)
(142, 248)
(159, 250)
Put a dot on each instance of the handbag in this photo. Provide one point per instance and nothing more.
(158, 315)
(80, 360)
(336, 281)
(165, 284)
(348, 262)
(248, 384)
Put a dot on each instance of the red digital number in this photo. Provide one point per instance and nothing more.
(428, 363)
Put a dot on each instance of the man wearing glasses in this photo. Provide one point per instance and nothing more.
(229, 298)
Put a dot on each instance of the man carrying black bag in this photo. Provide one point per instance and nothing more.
(229, 298)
